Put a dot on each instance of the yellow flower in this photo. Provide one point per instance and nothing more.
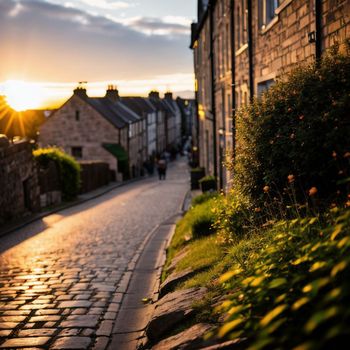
(257, 210)
(312, 191)
(291, 178)
(266, 189)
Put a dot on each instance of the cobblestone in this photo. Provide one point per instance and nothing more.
(63, 288)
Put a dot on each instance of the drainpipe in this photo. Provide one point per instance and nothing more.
(250, 50)
(233, 78)
(318, 22)
(212, 67)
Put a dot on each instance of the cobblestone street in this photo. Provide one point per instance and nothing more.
(62, 278)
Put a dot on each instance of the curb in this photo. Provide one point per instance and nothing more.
(131, 335)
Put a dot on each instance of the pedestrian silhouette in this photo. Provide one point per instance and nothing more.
(162, 168)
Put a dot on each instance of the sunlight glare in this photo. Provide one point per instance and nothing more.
(22, 95)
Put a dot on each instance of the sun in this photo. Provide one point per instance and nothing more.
(21, 95)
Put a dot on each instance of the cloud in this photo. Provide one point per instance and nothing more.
(108, 4)
(46, 41)
(156, 26)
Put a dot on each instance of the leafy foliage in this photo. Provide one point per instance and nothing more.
(69, 169)
(292, 288)
(300, 127)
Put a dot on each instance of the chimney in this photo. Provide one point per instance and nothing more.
(80, 91)
(168, 95)
(112, 93)
(154, 95)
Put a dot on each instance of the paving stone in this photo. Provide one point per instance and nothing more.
(24, 342)
(95, 311)
(47, 312)
(74, 304)
(71, 343)
(173, 308)
(8, 325)
(113, 307)
(110, 316)
(37, 306)
(88, 332)
(101, 343)
(84, 321)
(12, 318)
(5, 333)
(105, 328)
(49, 325)
(36, 332)
(45, 318)
(16, 313)
(70, 332)
(117, 298)
(29, 325)
(81, 311)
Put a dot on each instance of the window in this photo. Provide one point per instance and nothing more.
(265, 85)
(77, 115)
(77, 152)
(242, 22)
(267, 10)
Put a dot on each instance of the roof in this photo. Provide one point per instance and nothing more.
(138, 104)
(114, 111)
(116, 150)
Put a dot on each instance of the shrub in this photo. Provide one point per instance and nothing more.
(291, 289)
(234, 217)
(69, 169)
(298, 128)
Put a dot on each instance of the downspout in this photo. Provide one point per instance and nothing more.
(233, 78)
(250, 50)
(212, 67)
(318, 22)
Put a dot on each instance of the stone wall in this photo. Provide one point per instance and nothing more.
(19, 188)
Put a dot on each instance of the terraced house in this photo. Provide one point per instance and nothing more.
(102, 129)
(240, 48)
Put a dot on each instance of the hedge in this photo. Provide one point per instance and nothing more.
(69, 169)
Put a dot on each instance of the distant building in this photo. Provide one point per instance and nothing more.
(240, 48)
(125, 132)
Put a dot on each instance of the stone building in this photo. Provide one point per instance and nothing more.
(241, 47)
(19, 188)
(102, 129)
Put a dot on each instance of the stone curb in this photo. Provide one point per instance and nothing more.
(131, 337)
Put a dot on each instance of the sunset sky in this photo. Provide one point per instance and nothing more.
(137, 44)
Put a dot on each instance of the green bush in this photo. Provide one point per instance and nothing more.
(234, 218)
(69, 169)
(291, 288)
(299, 130)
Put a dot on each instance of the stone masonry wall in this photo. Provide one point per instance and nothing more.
(19, 188)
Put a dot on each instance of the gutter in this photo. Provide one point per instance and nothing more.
(212, 67)
(250, 50)
(318, 22)
(233, 83)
